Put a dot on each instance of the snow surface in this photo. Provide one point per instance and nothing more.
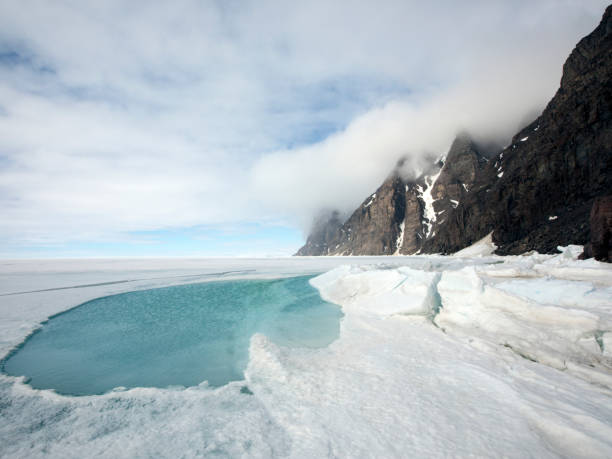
(437, 357)
(372, 198)
(425, 194)
(484, 246)
(400, 239)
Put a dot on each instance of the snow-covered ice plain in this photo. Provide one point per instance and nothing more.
(437, 356)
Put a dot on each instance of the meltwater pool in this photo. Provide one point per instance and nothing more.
(173, 336)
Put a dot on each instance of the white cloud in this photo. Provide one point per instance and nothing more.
(128, 116)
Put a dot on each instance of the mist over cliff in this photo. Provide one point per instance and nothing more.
(534, 194)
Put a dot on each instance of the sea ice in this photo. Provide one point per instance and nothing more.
(437, 356)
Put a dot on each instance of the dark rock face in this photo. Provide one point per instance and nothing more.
(536, 194)
(600, 245)
(395, 219)
(374, 227)
(322, 232)
(462, 165)
(409, 241)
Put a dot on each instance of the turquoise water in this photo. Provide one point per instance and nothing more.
(171, 336)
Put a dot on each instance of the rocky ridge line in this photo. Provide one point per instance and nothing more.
(535, 194)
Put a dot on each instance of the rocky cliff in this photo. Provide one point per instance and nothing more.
(600, 245)
(538, 192)
(401, 214)
(323, 231)
(535, 194)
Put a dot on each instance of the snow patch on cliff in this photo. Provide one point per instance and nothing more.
(484, 246)
(400, 239)
(372, 198)
(428, 200)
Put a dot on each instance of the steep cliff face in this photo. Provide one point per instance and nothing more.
(400, 214)
(375, 226)
(463, 163)
(535, 194)
(538, 192)
(600, 245)
(413, 227)
(323, 231)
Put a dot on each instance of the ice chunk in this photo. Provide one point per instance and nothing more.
(381, 292)
(605, 341)
(544, 320)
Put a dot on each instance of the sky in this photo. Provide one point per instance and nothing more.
(221, 128)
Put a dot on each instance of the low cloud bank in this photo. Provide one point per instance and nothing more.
(339, 172)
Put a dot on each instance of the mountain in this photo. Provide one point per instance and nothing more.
(322, 232)
(538, 192)
(376, 225)
(535, 194)
(401, 214)
(464, 161)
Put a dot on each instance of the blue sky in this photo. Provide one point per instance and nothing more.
(245, 240)
(221, 128)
